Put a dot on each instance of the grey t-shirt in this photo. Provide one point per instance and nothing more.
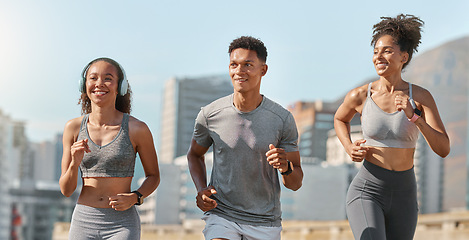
(248, 188)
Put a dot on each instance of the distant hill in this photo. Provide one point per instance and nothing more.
(444, 71)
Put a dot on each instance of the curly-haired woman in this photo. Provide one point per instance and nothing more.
(103, 144)
(382, 198)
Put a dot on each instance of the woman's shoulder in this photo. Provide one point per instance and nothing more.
(74, 123)
(420, 93)
(72, 127)
(136, 124)
(139, 132)
(357, 95)
(416, 89)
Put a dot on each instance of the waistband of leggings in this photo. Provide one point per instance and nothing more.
(102, 211)
(386, 177)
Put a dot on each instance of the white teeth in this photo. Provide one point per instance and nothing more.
(382, 65)
(99, 93)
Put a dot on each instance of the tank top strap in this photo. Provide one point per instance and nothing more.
(84, 121)
(411, 100)
(125, 122)
(368, 94)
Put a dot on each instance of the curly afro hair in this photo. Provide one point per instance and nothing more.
(405, 29)
(250, 43)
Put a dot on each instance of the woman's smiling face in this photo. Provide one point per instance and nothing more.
(388, 58)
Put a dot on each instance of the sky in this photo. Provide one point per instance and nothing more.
(317, 50)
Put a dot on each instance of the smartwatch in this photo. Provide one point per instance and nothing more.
(139, 198)
(417, 114)
(289, 170)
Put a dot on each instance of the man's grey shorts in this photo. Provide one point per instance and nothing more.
(218, 227)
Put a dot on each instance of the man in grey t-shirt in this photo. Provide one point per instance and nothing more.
(253, 139)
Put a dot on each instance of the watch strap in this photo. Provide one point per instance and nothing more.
(289, 170)
(139, 197)
(414, 118)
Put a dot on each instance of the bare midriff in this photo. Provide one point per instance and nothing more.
(395, 159)
(97, 190)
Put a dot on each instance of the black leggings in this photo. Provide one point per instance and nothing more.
(382, 204)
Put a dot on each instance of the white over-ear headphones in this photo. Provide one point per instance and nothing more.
(123, 83)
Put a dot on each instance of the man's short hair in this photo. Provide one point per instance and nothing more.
(250, 43)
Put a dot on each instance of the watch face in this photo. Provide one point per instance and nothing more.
(418, 112)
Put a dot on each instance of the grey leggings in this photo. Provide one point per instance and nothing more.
(382, 204)
(104, 223)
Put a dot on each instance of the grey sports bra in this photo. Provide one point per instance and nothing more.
(115, 159)
(382, 129)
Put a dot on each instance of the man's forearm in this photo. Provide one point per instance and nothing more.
(198, 171)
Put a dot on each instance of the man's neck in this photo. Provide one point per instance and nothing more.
(246, 102)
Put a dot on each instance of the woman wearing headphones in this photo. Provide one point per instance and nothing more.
(103, 144)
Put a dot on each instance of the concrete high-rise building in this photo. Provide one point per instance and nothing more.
(44, 162)
(24, 167)
(313, 120)
(183, 98)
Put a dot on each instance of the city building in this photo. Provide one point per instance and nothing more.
(5, 148)
(322, 196)
(313, 120)
(183, 98)
(44, 165)
(336, 154)
(173, 202)
(13, 164)
(163, 205)
(37, 206)
(31, 201)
